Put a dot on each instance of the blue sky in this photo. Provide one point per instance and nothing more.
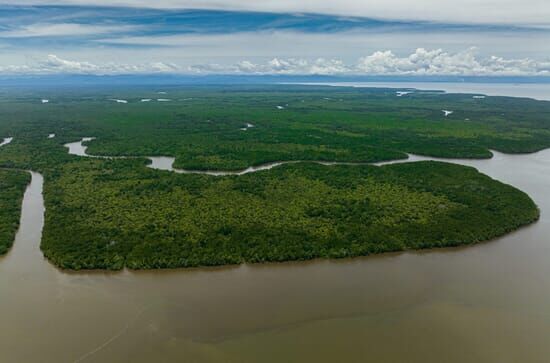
(242, 37)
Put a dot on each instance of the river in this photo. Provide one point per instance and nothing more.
(166, 163)
(483, 303)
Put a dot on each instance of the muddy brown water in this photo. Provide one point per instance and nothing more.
(483, 303)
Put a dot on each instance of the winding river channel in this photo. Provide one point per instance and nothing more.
(484, 303)
(166, 163)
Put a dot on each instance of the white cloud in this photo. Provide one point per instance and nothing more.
(296, 66)
(164, 67)
(288, 66)
(56, 65)
(463, 11)
(438, 62)
(421, 62)
(63, 29)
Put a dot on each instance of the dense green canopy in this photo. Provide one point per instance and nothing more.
(115, 213)
(12, 187)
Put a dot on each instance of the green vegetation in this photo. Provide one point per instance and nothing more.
(201, 126)
(12, 187)
(116, 213)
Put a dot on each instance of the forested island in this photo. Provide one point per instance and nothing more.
(116, 213)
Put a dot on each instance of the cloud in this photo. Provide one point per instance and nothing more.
(347, 45)
(63, 30)
(288, 66)
(421, 62)
(56, 65)
(438, 62)
(536, 12)
(187, 38)
(297, 66)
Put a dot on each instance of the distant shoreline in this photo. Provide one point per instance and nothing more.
(536, 91)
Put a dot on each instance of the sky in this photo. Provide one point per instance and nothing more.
(287, 37)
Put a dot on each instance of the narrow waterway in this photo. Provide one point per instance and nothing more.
(6, 141)
(167, 162)
(485, 303)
